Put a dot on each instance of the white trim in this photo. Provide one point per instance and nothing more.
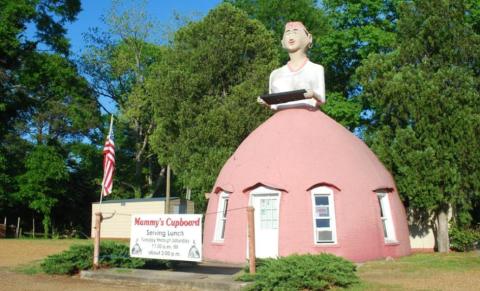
(324, 191)
(220, 220)
(387, 217)
(262, 190)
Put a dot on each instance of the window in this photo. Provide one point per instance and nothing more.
(386, 217)
(221, 216)
(269, 213)
(323, 215)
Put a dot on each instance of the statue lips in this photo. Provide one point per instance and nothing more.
(291, 43)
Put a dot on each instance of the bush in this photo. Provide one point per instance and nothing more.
(80, 257)
(302, 272)
(463, 240)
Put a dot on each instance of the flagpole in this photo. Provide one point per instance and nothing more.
(111, 126)
(98, 215)
(101, 198)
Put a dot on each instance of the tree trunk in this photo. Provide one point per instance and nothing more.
(443, 242)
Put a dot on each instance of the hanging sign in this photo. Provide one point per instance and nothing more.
(167, 237)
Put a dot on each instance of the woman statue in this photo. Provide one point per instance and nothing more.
(299, 73)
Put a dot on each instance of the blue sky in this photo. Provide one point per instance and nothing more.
(162, 10)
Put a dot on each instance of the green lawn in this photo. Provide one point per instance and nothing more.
(453, 271)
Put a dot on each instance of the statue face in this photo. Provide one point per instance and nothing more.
(295, 37)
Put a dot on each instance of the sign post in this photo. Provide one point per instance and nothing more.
(251, 239)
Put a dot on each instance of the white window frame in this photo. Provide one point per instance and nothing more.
(324, 191)
(221, 219)
(386, 219)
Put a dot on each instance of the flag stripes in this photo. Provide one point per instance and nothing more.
(108, 166)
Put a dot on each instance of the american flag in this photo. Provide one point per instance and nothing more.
(108, 166)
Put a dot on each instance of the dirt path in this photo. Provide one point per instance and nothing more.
(18, 253)
(17, 281)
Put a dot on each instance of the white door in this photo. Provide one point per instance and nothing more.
(266, 224)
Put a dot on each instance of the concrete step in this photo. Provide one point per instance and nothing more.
(193, 278)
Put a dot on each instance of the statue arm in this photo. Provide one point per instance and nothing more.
(319, 88)
(270, 83)
(259, 100)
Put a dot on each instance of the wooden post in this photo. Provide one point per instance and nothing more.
(96, 244)
(17, 231)
(251, 238)
(33, 227)
(167, 194)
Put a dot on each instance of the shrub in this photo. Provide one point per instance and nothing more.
(463, 240)
(80, 257)
(302, 272)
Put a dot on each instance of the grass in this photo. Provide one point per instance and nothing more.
(453, 271)
(29, 269)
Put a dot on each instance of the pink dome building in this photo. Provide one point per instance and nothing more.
(315, 188)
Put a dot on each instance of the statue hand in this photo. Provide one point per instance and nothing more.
(309, 94)
(260, 101)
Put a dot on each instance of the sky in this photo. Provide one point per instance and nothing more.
(162, 10)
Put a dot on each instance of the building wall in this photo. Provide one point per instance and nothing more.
(118, 226)
(358, 227)
(294, 151)
(422, 241)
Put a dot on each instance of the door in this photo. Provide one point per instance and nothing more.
(266, 224)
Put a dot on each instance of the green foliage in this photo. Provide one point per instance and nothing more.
(463, 240)
(303, 272)
(423, 111)
(45, 106)
(43, 182)
(119, 61)
(204, 94)
(63, 109)
(80, 257)
(4, 180)
(18, 47)
(357, 29)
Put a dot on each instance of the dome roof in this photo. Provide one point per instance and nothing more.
(297, 149)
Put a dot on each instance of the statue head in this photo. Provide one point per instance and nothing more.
(296, 37)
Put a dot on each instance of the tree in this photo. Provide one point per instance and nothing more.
(72, 212)
(44, 181)
(423, 110)
(204, 94)
(65, 109)
(45, 107)
(17, 47)
(118, 62)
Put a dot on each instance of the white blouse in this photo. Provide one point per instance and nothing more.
(310, 76)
